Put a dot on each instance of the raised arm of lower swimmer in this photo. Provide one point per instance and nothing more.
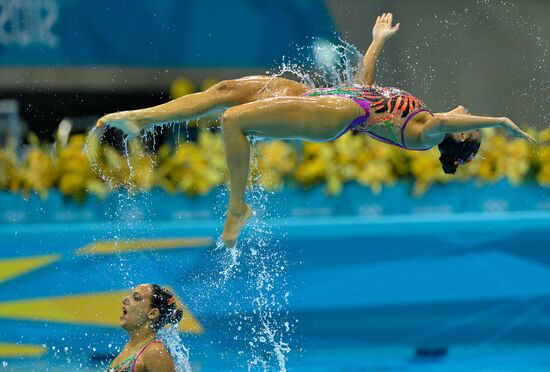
(381, 32)
(441, 124)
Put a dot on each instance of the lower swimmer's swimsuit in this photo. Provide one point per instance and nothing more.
(389, 102)
(129, 364)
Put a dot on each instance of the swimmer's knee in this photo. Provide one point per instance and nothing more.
(228, 93)
(229, 119)
(224, 86)
(233, 121)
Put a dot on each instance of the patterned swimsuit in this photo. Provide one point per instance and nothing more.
(129, 364)
(390, 103)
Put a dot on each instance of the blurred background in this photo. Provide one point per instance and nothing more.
(430, 271)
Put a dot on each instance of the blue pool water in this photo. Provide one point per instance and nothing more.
(443, 291)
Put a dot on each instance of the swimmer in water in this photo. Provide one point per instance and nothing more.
(274, 107)
(146, 310)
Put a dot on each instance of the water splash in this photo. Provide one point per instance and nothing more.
(270, 331)
(324, 64)
(267, 265)
(229, 261)
(180, 353)
(264, 328)
(132, 217)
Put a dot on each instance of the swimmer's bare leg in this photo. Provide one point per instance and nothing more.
(308, 118)
(218, 97)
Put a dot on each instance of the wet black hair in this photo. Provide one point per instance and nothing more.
(454, 151)
(169, 312)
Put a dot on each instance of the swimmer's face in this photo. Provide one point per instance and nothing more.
(136, 308)
(474, 135)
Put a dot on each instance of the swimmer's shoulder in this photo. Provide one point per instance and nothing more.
(415, 133)
(422, 118)
(155, 357)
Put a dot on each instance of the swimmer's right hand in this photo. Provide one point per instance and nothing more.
(382, 29)
(516, 131)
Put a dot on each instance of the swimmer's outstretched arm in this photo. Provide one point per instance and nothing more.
(457, 110)
(442, 124)
(381, 32)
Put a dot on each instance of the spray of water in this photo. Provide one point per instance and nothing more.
(131, 218)
(265, 328)
(229, 260)
(323, 64)
(174, 342)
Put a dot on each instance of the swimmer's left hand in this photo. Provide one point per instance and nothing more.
(382, 29)
(516, 131)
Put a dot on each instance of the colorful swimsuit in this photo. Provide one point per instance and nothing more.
(128, 364)
(389, 102)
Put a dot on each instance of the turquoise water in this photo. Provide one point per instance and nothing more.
(458, 290)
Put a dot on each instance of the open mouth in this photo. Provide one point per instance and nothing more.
(124, 312)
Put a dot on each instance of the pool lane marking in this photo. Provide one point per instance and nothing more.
(9, 350)
(14, 267)
(99, 309)
(125, 246)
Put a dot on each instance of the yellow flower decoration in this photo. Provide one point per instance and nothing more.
(276, 161)
(85, 166)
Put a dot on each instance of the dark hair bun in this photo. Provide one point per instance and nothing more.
(448, 163)
(456, 151)
(164, 300)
